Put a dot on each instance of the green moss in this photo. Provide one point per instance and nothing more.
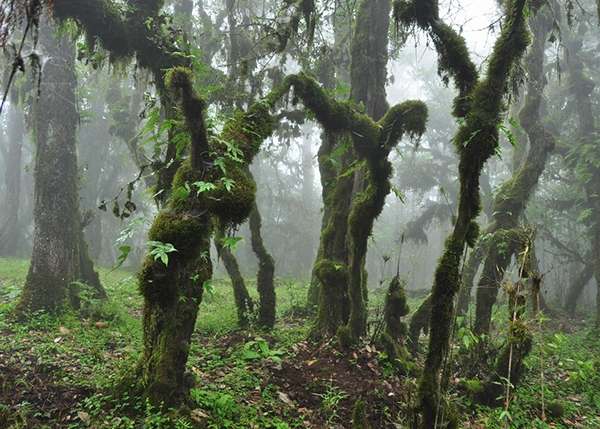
(359, 415)
(473, 387)
(345, 338)
(183, 231)
(472, 233)
(556, 409)
(232, 206)
(396, 306)
(103, 23)
(247, 130)
(397, 355)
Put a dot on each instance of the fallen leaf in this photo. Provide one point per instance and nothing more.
(85, 417)
(310, 363)
(284, 397)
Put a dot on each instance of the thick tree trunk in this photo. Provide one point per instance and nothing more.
(57, 243)
(12, 178)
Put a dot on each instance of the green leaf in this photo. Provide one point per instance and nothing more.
(228, 183)
(231, 242)
(122, 257)
(204, 186)
(161, 251)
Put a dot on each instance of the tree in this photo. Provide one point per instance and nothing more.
(60, 255)
(478, 105)
(12, 177)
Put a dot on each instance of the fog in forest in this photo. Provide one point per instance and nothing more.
(352, 154)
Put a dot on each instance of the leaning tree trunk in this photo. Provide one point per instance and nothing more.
(12, 178)
(57, 242)
(576, 287)
(476, 141)
(512, 198)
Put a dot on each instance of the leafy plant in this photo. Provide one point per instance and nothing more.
(259, 349)
(161, 250)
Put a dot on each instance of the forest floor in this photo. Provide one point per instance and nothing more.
(59, 372)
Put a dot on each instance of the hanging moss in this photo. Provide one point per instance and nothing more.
(103, 22)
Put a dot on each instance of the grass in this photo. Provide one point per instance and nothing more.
(59, 372)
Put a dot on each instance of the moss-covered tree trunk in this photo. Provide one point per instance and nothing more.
(368, 75)
(327, 173)
(357, 199)
(243, 301)
(512, 198)
(480, 104)
(581, 87)
(576, 287)
(331, 269)
(172, 283)
(12, 180)
(58, 246)
(265, 277)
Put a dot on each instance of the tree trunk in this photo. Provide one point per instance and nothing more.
(57, 243)
(582, 87)
(243, 301)
(476, 141)
(12, 178)
(512, 198)
(576, 288)
(265, 283)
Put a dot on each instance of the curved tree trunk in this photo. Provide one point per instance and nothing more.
(243, 301)
(576, 287)
(266, 272)
(582, 87)
(58, 243)
(512, 198)
(476, 140)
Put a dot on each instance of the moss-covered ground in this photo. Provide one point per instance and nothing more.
(60, 372)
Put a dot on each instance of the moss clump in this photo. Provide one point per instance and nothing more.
(472, 233)
(234, 196)
(247, 130)
(359, 415)
(345, 337)
(396, 307)
(473, 387)
(181, 230)
(556, 409)
(397, 355)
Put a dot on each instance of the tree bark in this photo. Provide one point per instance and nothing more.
(12, 179)
(480, 104)
(243, 301)
(59, 249)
